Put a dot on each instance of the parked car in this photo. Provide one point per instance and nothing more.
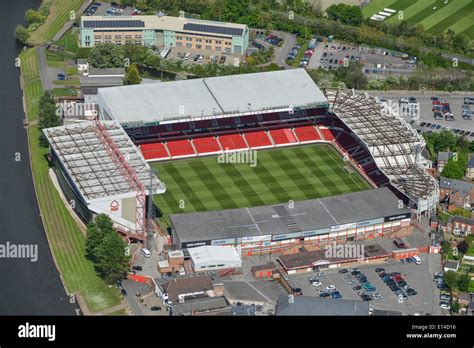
(399, 243)
(343, 271)
(316, 283)
(324, 294)
(379, 270)
(336, 294)
(411, 292)
(137, 268)
(123, 292)
(444, 305)
(155, 308)
(330, 287)
(357, 287)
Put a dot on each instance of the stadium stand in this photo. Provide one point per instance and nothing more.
(154, 151)
(393, 144)
(206, 145)
(283, 136)
(180, 148)
(327, 134)
(307, 134)
(258, 139)
(232, 142)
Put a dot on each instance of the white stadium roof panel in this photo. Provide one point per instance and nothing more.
(211, 96)
(89, 164)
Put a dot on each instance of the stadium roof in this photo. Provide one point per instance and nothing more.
(306, 215)
(393, 143)
(90, 165)
(211, 96)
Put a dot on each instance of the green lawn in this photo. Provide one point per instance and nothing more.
(69, 41)
(434, 15)
(281, 175)
(59, 14)
(66, 239)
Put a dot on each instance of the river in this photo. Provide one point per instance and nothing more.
(26, 287)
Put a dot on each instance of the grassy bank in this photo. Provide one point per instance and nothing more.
(59, 14)
(66, 240)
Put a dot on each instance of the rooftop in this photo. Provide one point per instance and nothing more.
(203, 306)
(277, 219)
(101, 81)
(457, 218)
(455, 185)
(187, 285)
(89, 163)
(209, 253)
(211, 96)
(444, 155)
(106, 71)
(306, 305)
(182, 25)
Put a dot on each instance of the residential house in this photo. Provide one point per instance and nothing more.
(451, 265)
(456, 193)
(460, 225)
(179, 290)
(470, 168)
(442, 159)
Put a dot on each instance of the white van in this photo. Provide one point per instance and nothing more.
(146, 252)
(417, 259)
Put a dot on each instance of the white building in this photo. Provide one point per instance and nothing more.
(211, 257)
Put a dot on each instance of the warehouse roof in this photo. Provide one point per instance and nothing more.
(310, 305)
(90, 164)
(278, 219)
(211, 96)
(208, 253)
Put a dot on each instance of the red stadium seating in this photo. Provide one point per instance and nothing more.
(232, 142)
(179, 148)
(257, 139)
(307, 133)
(206, 145)
(283, 136)
(327, 134)
(154, 151)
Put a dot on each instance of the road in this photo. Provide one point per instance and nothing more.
(28, 288)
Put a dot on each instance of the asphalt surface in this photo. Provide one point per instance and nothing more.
(27, 288)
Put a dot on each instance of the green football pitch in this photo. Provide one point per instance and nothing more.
(280, 175)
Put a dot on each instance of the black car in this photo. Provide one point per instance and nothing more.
(155, 308)
(354, 273)
(137, 268)
(363, 280)
(383, 274)
(343, 271)
(366, 298)
(123, 292)
(379, 270)
(324, 294)
(357, 287)
(395, 288)
(411, 292)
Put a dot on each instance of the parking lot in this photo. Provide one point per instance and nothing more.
(106, 9)
(180, 53)
(331, 55)
(425, 108)
(418, 277)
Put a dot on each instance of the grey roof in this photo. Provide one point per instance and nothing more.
(306, 305)
(460, 219)
(82, 61)
(470, 163)
(455, 185)
(451, 264)
(201, 305)
(242, 291)
(101, 81)
(89, 90)
(444, 155)
(212, 96)
(106, 71)
(307, 215)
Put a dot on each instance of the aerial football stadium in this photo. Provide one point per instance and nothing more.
(261, 161)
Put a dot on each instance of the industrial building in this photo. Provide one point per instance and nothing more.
(353, 216)
(164, 31)
(212, 258)
(100, 170)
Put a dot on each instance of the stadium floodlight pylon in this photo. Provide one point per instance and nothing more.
(393, 144)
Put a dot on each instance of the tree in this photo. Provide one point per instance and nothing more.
(453, 169)
(463, 246)
(346, 14)
(463, 282)
(451, 279)
(133, 76)
(22, 34)
(106, 249)
(33, 16)
(48, 115)
(355, 78)
(445, 248)
(106, 56)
